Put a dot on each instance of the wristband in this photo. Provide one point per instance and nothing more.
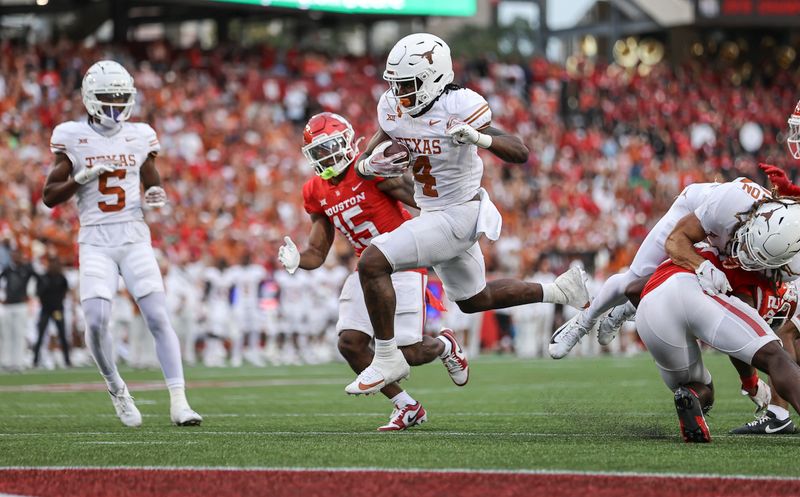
(484, 140)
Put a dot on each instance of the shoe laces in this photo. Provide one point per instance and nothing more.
(124, 401)
(760, 420)
(573, 334)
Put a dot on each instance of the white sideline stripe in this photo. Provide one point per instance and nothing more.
(11, 495)
(562, 472)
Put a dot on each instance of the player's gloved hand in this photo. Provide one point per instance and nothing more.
(88, 174)
(379, 165)
(464, 134)
(781, 181)
(289, 255)
(155, 196)
(712, 280)
(761, 397)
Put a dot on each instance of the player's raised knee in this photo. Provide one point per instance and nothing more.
(373, 263)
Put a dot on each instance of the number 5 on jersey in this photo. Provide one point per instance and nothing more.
(422, 173)
(105, 189)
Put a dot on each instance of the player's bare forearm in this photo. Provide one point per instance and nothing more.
(376, 139)
(148, 174)
(680, 243)
(319, 243)
(400, 188)
(59, 186)
(506, 147)
(745, 370)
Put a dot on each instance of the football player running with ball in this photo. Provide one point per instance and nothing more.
(105, 161)
(338, 199)
(443, 125)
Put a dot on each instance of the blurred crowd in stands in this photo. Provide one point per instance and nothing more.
(610, 150)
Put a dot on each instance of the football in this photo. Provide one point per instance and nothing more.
(397, 148)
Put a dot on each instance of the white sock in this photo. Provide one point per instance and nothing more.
(448, 346)
(385, 349)
(780, 413)
(177, 396)
(402, 399)
(552, 294)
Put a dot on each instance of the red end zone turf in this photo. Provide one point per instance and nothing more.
(311, 483)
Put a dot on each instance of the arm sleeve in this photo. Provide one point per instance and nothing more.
(473, 109)
(310, 202)
(60, 142)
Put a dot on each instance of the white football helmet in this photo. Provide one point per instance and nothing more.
(793, 140)
(770, 238)
(108, 93)
(417, 69)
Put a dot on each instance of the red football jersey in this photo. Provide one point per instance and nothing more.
(355, 206)
(768, 299)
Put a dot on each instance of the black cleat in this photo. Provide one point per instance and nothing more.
(693, 425)
(767, 424)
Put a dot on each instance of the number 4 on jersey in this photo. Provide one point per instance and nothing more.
(422, 173)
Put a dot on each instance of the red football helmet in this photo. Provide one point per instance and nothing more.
(793, 140)
(329, 144)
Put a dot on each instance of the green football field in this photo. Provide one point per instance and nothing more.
(602, 414)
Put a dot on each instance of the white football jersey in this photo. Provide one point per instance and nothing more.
(219, 284)
(724, 207)
(248, 280)
(445, 173)
(114, 197)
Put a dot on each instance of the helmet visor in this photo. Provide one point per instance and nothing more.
(405, 90)
(334, 152)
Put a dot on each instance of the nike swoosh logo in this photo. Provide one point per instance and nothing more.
(362, 386)
(129, 139)
(412, 419)
(770, 430)
(434, 121)
(358, 186)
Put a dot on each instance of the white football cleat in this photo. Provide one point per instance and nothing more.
(456, 361)
(126, 409)
(566, 337)
(572, 284)
(405, 418)
(610, 324)
(184, 416)
(380, 373)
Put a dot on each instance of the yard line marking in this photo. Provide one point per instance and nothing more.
(564, 472)
(416, 433)
(161, 442)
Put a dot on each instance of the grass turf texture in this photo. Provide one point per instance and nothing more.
(603, 414)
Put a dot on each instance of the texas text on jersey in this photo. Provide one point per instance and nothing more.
(446, 174)
(355, 206)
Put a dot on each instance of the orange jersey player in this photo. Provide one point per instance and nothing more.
(361, 209)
